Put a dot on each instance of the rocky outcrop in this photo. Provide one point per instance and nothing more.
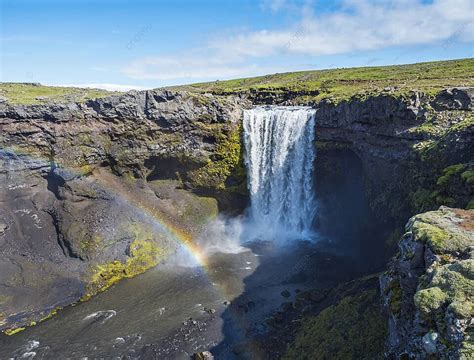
(454, 99)
(429, 287)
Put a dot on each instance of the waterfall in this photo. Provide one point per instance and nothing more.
(279, 157)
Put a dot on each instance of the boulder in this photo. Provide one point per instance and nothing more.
(203, 355)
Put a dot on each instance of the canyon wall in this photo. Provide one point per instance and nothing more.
(95, 192)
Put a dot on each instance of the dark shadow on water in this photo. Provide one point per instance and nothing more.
(282, 273)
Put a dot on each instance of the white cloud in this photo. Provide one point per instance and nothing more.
(362, 25)
(186, 67)
(105, 86)
(273, 5)
(359, 25)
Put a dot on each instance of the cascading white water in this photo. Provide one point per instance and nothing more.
(279, 156)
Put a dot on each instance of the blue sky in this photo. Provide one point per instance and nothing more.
(146, 44)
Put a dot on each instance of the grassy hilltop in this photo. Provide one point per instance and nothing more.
(316, 85)
(35, 93)
(338, 84)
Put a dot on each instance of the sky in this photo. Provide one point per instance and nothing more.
(124, 44)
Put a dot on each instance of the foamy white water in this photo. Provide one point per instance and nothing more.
(280, 154)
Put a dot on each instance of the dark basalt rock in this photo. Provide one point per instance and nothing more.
(454, 99)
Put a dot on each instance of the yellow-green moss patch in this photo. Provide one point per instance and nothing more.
(143, 255)
(431, 234)
(431, 299)
(449, 172)
(11, 332)
(451, 285)
(395, 291)
(224, 162)
(436, 230)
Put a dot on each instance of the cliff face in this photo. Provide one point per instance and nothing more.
(404, 144)
(90, 191)
(127, 133)
(95, 192)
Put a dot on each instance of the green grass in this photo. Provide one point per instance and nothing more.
(340, 84)
(333, 84)
(32, 93)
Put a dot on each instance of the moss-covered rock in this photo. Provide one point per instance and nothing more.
(434, 277)
(435, 228)
(394, 291)
(225, 161)
(455, 187)
(430, 299)
(451, 285)
(143, 254)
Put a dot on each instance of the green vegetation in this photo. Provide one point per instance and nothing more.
(11, 332)
(448, 173)
(316, 85)
(33, 93)
(441, 134)
(200, 210)
(436, 237)
(451, 284)
(226, 159)
(395, 291)
(454, 187)
(435, 229)
(143, 254)
(422, 200)
(340, 84)
(352, 329)
(430, 299)
(468, 177)
(467, 346)
(470, 204)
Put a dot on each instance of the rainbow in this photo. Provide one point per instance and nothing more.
(119, 190)
(168, 228)
(109, 182)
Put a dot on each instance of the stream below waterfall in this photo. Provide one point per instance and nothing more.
(171, 312)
